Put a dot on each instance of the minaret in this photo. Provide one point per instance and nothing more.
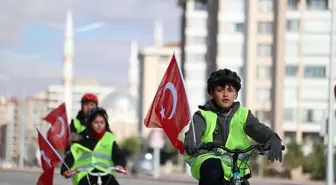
(68, 60)
(158, 34)
(133, 74)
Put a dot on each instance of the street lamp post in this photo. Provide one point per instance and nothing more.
(330, 160)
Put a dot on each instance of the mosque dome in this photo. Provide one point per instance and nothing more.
(121, 107)
(119, 100)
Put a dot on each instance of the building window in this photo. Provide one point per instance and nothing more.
(265, 27)
(264, 50)
(312, 115)
(232, 27)
(234, 6)
(196, 40)
(263, 115)
(293, 25)
(196, 75)
(314, 71)
(230, 49)
(290, 114)
(317, 4)
(263, 94)
(197, 23)
(307, 115)
(265, 6)
(164, 59)
(200, 6)
(195, 57)
(318, 115)
(263, 72)
(293, 4)
(239, 27)
(291, 70)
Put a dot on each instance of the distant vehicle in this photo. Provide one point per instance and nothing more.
(143, 164)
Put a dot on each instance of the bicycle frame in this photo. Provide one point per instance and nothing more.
(235, 169)
(100, 174)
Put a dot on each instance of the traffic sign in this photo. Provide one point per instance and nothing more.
(156, 138)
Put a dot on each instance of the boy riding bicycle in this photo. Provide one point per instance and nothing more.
(225, 122)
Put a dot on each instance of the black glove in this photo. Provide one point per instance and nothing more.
(190, 147)
(274, 147)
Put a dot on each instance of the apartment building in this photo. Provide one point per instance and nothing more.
(280, 48)
(153, 62)
(55, 93)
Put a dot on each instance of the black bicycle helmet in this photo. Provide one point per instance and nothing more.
(223, 76)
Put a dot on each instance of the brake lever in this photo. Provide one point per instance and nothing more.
(261, 150)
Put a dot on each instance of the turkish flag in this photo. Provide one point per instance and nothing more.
(59, 133)
(49, 157)
(170, 108)
(46, 178)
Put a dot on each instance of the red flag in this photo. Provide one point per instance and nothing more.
(46, 178)
(59, 133)
(170, 109)
(49, 157)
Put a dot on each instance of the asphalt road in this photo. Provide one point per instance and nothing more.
(30, 178)
(25, 178)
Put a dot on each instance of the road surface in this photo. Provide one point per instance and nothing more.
(23, 178)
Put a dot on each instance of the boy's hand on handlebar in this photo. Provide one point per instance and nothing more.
(67, 174)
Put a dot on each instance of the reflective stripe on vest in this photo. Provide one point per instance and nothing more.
(237, 138)
(225, 156)
(100, 158)
(78, 126)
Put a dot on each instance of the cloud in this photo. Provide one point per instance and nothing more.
(101, 49)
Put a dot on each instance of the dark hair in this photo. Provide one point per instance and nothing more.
(92, 115)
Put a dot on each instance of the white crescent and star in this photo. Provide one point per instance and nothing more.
(62, 132)
(172, 89)
(45, 158)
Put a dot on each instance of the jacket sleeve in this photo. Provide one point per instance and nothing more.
(72, 130)
(72, 127)
(118, 156)
(69, 161)
(199, 124)
(259, 132)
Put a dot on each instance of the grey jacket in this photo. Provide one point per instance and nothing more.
(253, 128)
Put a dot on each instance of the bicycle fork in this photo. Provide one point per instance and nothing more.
(236, 179)
(99, 181)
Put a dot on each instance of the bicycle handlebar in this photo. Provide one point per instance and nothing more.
(259, 147)
(110, 169)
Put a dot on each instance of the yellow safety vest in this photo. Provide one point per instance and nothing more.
(237, 139)
(100, 158)
(79, 127)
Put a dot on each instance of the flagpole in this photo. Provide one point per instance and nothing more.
(190, 113)
(60, 158)
(185, 91)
